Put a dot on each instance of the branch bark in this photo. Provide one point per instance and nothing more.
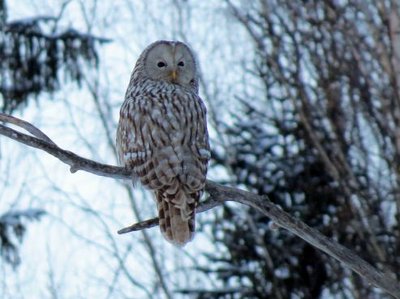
(218, 194)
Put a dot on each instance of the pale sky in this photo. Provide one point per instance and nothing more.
(74, 251)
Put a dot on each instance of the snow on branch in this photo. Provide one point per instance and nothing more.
(218, 194)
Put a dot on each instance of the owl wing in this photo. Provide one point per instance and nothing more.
(133, 149)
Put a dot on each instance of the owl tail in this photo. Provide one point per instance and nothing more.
(177, 215)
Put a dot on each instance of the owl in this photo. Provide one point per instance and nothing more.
(162, 135)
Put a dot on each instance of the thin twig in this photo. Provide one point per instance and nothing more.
(25, 125)
(202, 207)
(217, 195)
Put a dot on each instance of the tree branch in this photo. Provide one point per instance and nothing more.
(217, 195)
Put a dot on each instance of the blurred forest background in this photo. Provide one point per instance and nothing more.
(304, 106)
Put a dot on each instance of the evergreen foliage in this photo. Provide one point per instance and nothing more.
(321, 140)
(34, 55)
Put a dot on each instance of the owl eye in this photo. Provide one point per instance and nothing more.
(181, 63)
(161, 64)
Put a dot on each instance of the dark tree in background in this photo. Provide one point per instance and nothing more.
(322, 139)
(34, 54)
(35, 57)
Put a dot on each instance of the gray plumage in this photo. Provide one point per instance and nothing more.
(162, 134)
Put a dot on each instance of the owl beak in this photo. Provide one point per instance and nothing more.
(174, 76)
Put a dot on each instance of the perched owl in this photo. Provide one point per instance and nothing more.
(162, 134)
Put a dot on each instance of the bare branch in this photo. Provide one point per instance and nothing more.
(76, 162)
(25, 125)
(218, 194)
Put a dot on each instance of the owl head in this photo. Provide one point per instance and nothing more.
(169, 61)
